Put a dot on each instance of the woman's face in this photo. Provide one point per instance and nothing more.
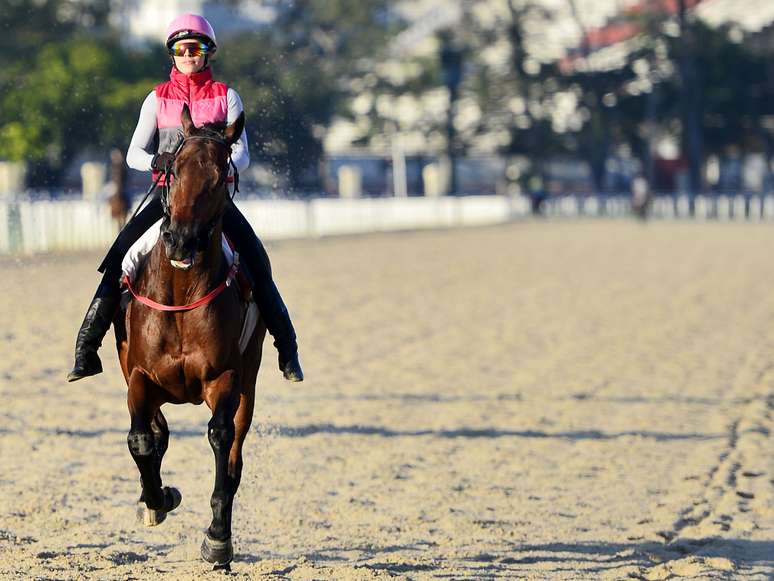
(188, 63)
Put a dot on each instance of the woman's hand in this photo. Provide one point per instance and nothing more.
(163, 161)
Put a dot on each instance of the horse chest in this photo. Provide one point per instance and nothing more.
(178, 346)
(183, 376)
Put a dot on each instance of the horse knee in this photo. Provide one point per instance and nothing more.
(220, 501)
(161, 438)
(140, 443)
(221, 435)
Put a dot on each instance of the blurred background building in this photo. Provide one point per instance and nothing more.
(146, 21)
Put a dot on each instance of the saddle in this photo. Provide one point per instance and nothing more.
(250, 313)
(242, 277)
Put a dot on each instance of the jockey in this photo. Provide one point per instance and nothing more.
(190, 42)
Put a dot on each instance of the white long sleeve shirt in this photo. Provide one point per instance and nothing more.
(143, 145)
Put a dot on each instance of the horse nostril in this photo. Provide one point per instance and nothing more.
(168, 238)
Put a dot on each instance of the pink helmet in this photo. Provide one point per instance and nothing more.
(190, 26)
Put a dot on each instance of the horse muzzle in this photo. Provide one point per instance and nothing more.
(180, 248)
(184, 264)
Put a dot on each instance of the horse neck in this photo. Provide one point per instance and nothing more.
(183, 286)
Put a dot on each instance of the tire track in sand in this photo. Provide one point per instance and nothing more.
(737, 490)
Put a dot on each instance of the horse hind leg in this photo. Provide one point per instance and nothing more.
(147, 441)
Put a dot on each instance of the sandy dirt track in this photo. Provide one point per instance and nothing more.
(589, 400)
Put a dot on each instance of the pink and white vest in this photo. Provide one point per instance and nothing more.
(207, 100)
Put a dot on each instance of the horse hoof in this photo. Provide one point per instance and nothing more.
(151, 517)
(172, 498)
(219, 553)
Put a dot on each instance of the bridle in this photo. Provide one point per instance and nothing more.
(168, 171)
(206, 231)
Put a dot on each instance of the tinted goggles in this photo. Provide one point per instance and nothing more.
(192, 47)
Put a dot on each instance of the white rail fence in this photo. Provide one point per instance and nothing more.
(53, 226)
(723, 208)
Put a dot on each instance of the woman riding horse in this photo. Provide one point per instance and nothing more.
(190, 42)
(192, 347)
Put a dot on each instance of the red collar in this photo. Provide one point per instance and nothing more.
(199, 79)
(198, 303)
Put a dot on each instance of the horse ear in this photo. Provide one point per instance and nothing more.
(234, 131)
(185, 118)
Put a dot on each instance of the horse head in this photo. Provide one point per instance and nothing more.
(194, 205)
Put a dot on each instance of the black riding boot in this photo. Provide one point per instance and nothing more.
(95, 324)
(108, 296)
(265, 293)
(275, 314)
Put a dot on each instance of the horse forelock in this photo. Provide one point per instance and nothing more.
(216, 127)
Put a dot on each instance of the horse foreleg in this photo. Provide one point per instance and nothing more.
(147, 440)
(222, 397)
(242, 420)
(160, 437)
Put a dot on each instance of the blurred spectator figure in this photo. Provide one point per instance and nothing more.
(537, 194)
(118, 200)
(641, 197)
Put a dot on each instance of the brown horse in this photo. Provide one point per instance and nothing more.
(191, 355)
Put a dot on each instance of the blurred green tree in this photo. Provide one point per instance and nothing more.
(515, 92)
(63, 90)
(737, 92)
(297, 74)
(729, 102)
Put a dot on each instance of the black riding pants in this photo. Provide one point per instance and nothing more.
(251, 252)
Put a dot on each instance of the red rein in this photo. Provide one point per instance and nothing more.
(198, 303)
